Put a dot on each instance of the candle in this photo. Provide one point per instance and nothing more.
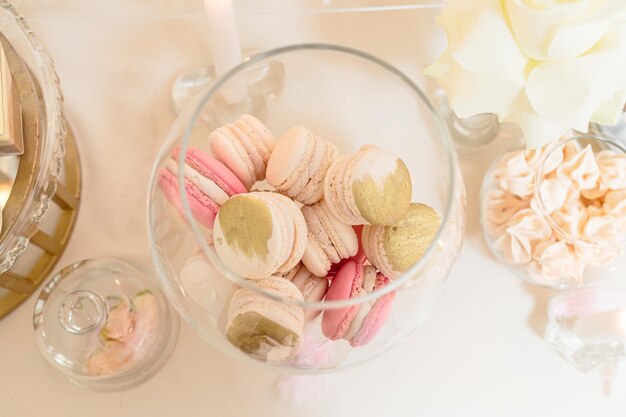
(225, 46)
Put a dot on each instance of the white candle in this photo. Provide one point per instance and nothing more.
(224, 44)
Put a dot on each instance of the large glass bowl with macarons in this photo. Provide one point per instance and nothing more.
(306, 221)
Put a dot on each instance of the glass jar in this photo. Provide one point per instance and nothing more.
(104, 325)
(350, 98)
(557, 216)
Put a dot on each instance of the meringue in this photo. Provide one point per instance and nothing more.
(501, 206)
(515, 175)
(553, 194)
(612, 167)
(555, 261)
(525, 230)
(604, 230)
(550, 160)
(596, 193)
(575, 216)
(581, 171)
(570, 221)
(615, 204)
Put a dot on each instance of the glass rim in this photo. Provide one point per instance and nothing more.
(202, 99)
(538, 181)
(51, 153)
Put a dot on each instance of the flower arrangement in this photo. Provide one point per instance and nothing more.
(547, 65)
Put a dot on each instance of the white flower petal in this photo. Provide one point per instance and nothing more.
(537, 130)
(470, 93)
(570, 91)
(609, 112)
(487, 46)
(561, 30)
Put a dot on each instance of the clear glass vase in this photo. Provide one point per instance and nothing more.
(350, 98)
(550, 216)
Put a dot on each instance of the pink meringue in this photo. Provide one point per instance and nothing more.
(596, 193)
(554, 194)
(515, 175)
(524, 231)
(576, 218)
(615, 203)
(570, 150)
(550, 160)
(603, 230)
(501, 206)
(581, 170)
(570, 221)
(612, 167)
(592, 254)
(555, 261)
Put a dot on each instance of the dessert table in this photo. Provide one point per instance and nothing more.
(481, 352)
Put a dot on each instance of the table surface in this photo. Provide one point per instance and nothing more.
(481, 352)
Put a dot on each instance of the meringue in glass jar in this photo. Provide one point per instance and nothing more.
(557, 215)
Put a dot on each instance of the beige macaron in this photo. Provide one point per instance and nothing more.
(329, 240)
(313, 288)
(298, 164)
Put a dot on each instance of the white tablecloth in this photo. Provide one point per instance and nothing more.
(480, 353)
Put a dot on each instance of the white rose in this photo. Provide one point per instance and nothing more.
(547, 65)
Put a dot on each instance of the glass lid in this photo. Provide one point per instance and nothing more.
(102, 323)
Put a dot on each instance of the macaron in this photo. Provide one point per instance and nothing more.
(395, 248)
(298, 164)
(245, 147)
(358, 258)
(358, 324)
(371, 186)
(263, 327)
(313, 288)
(329, 240)
(208, 184)
(260, 234)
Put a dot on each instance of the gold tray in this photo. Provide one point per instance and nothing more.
(14, 287)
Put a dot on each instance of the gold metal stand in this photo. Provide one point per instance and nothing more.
(67, 195)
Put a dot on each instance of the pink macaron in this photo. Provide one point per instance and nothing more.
(208, 184)
(360, 323)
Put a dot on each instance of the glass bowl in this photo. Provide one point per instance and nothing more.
(554, 235)
(104, 325)
(19, 227)
(351, 99)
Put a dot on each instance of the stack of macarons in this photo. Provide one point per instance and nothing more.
(332, 227)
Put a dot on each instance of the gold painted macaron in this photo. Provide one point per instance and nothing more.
(259, 234)
(268, 329)
(372, 186)
(395, 248)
